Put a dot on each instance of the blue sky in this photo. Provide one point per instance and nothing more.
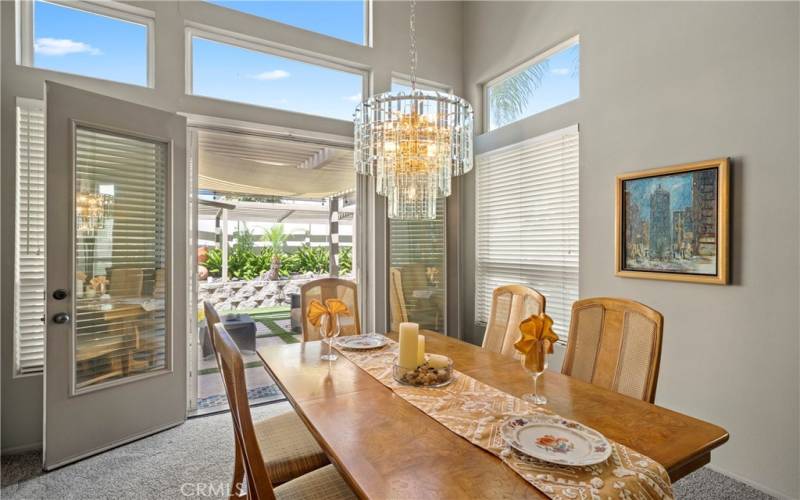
(242, 75)
(561, 83)
(339, 19)
(678, 185)
(75, 41)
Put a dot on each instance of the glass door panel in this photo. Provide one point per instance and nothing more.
(120, 206)
(417, 264)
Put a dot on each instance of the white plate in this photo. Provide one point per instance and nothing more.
(362, 342)
(556, 440)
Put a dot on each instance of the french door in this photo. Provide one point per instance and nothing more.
(116, 310)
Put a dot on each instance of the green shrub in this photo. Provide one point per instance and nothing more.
(246, 263)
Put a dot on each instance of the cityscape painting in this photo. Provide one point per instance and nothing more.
(672, 223)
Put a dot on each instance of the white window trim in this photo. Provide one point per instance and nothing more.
(111, 9)
(517, 69)
(269, 48)
(422, 84)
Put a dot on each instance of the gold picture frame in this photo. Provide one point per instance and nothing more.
(656, 240)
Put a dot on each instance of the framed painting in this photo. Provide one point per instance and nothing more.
(672, 223)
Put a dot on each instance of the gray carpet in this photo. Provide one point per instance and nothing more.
(194, 460)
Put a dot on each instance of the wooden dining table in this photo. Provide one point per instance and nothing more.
(386, 448)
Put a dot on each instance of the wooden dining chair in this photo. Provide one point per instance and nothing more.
(510, 305)
(125, 282)
(292, 450)
(397, 299)
(324, 482)
(330, 288)
(616, 344)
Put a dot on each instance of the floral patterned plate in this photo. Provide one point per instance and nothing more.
(362, 342)
(555, 440)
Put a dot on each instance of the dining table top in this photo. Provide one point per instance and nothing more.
(386, 448)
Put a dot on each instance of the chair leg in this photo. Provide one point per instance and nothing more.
(237, 486)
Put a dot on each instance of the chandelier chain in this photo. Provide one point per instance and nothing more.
(413, 51)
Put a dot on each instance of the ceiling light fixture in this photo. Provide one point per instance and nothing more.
(413, 143)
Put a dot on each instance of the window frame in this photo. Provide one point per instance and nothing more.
(422, 84)
(366, 31)
(518, 68)
(269, 48)
(111, 9)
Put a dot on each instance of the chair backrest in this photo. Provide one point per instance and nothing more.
(510, 305)
(259, 485)
(212, 318)
(322, 290)
(126, 282)
(616, 344)
(397, 299)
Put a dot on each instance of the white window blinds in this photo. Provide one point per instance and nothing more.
(29, 269)
(527, 222)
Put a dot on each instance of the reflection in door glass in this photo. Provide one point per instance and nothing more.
(417, 271)
(120, 207)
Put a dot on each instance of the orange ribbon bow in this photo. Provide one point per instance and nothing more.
(332, 308)
(535, 329)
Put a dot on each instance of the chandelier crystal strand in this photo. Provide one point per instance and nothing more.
(413, 143)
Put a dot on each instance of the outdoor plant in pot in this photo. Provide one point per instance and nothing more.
(276, 237)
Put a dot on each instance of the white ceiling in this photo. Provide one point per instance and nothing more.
(259, 165)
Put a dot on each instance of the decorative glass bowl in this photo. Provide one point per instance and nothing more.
(424, 375)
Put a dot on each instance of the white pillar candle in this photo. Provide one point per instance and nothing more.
(409, 337)
(420, 349)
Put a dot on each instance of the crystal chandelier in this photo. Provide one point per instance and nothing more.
(91, 210)
(413, 143)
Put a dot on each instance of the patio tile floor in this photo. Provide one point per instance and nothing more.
(273, 327)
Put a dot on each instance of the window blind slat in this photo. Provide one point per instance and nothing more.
(527, 222)
(29, 277)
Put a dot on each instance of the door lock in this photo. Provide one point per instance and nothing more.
(60, 294)
(61, 318)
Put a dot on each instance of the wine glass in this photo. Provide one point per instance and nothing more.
(535, 362)
(329, 334)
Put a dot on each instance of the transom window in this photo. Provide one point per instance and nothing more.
(548, 80)
(234, 73)
(346, 20)
(111, 41)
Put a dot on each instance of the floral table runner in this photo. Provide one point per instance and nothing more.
(476, 411)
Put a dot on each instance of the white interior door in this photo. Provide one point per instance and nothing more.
(115, 357)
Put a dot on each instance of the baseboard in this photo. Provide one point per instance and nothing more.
(22, 449)
(751, 483)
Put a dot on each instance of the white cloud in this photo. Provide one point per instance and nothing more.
(62, 47)
(353, 98)
(275, 74)
(560, 71)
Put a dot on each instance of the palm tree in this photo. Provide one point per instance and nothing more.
(509, 98)
(276, 237)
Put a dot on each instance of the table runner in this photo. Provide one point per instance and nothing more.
(476, 411)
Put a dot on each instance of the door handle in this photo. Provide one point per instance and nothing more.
(60, 294)
(61, 318)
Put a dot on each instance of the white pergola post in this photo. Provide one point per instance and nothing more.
(333, 232)
(224, 244)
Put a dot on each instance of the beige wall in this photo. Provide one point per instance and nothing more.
(664, 84)
(439, 41)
